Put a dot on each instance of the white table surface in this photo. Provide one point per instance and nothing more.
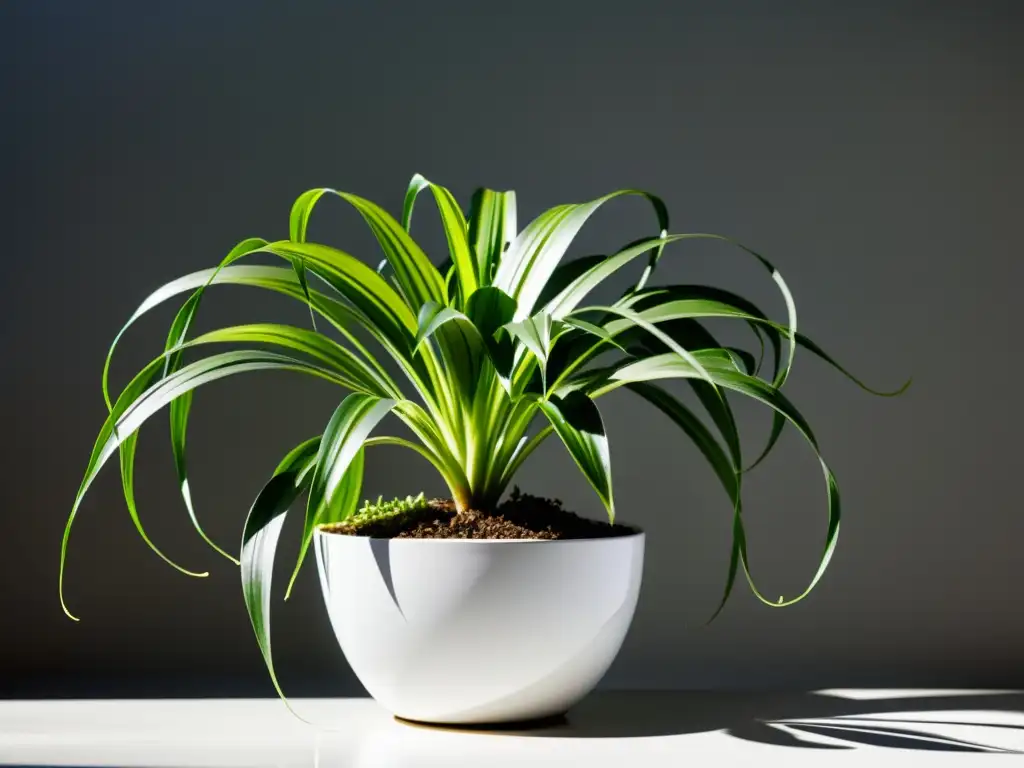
(626, 730)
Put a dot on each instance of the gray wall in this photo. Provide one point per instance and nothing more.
(871, 149)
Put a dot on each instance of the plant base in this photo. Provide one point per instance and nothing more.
(522, 516)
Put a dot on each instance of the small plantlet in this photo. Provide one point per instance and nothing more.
(484, 343)
(385, 509)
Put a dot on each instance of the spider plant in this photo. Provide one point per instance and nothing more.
(496, 337)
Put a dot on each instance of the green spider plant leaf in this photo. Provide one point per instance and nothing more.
(812, 347)
(127, 462)
(348, 428)
(676, 331)
(297, 227)
(565, 274)
(743, 359)
(717, 406)
(535, 253)
(728, 305)
(371, 304)
(260, 536)
(385, 310)
(782, 373)
(727, 465)
(416, 185)
(691, 335)
(380, 310)
(432, 316)
(675, 322)
(647, 323)
(277, 279)
(720, 303)
(418, 279)
(726, 469)
(691, 425)
(179, 407)
(197, 280)
(459, 342)
(675, 317)
(334, 492)
(578, 423)
(492, 228)
(714, 401)
(671, 366)
(401, 442)
(127, 448)
(490, 309)
(572, 294)
(437, 444)
(341, 506)
(137, 403)
(594, 330)
(522, 450)
(687, 332)
(450, 288)
(537, 334)
(599, 378)
(350, 369)
(179, 413)
(456, 231)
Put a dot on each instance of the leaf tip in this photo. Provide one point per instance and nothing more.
(901, 390)
(291, 581)
(67, 613)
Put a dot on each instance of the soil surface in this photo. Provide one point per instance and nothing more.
(522, 516)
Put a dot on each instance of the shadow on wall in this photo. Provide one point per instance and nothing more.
(821, 720)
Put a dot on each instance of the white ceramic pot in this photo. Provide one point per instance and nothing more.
(479, 631)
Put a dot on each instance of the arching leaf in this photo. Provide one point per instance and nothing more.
(137, 403)
(577, 421)
(334, 492)
(537, 250)
(456, 231)
(418, 279)
(671, 366)
(260, 536)
(459, 342)
(492, 228)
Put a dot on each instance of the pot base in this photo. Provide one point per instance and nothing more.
(538, 723)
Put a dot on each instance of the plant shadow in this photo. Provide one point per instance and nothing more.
(805, 720)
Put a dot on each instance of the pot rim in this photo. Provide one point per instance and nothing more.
(636, 532)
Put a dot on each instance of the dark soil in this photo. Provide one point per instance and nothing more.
(522, 516)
